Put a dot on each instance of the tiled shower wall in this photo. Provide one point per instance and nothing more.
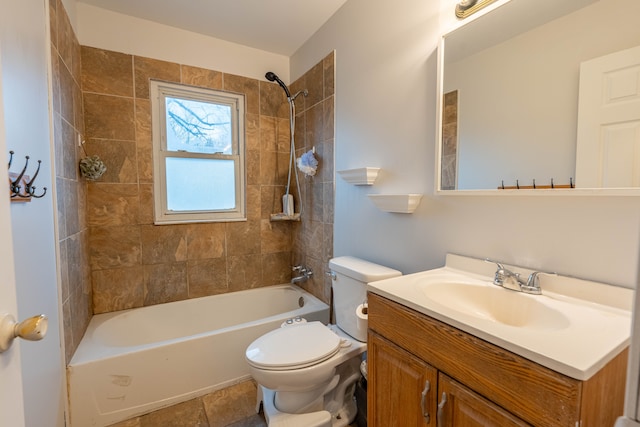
(313, 235)
(112, 256)
(71, 190)
(135, 263)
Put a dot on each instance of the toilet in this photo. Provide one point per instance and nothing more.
(307, 371)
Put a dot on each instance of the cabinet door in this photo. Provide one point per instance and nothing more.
(460, 407)
(401, 388)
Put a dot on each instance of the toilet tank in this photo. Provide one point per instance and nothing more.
(350, 278)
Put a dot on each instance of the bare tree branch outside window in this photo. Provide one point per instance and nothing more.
(197, 126)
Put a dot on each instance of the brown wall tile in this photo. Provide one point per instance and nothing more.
(162, 244)
(118, 156)
(113, 204)
(201, 77)
(118, 289)
(109, 117)
(107, 72)
(205, 241)
(165, 283)
(252, 131)
(249, 87)
(274, 236)
(207, 277)
(115, 247)
(244, 271)
(148, 68)
(67, 85)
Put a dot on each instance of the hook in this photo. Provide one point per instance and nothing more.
(571, 182)
(517, 184)
(31, 189)
(534, 184)
(552, 186)
(15, 186)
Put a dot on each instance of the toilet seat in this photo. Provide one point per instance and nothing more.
(293, 347)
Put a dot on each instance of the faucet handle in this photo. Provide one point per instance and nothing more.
(533, 282)
(498, 278)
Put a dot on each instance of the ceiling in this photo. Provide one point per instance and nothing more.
(277, 26)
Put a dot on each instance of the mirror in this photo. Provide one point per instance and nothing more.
(509, 85)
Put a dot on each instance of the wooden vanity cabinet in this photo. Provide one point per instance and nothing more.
(413, 360)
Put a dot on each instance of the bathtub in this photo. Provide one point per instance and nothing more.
(135, 361)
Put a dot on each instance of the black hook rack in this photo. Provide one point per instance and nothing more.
(535, 186)
(20, 185)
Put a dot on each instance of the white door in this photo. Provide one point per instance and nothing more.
(11, 403)
(608, 148)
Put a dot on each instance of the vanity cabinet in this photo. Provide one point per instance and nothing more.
(415, 360)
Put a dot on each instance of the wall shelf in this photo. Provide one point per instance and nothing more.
(360, 176)
(284, 217)
(397, 203)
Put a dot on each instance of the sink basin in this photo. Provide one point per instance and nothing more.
(496, 304)
(575, 327)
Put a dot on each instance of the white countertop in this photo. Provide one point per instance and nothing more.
(580, 325)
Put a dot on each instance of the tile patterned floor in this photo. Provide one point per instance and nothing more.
(230, 407)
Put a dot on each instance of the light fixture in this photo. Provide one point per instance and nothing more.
(466, 7)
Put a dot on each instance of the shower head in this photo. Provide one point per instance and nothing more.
(273, 78)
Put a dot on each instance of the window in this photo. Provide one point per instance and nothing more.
(198, 154)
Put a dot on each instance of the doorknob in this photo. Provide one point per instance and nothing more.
(31, 329)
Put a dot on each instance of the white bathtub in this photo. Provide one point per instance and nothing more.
(135, 361)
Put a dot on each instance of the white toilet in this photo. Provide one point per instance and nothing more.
(307, 372)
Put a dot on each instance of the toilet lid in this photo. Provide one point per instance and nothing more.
(296, 346)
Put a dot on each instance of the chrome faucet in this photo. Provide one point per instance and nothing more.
(304, 273)
(533, 282)
(508, 279)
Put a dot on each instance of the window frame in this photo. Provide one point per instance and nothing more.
(158, 92)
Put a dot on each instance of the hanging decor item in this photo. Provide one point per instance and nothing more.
(21, 187)
(307, 163)
(91, 167)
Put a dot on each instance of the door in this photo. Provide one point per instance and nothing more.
(401, 388)
(25, 49)
(11, 403)
(460, 407)
(608, 147)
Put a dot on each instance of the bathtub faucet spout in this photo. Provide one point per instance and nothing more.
(303, 274)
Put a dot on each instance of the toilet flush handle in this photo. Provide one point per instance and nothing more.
(331, 274)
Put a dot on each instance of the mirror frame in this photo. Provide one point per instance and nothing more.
(496, 192)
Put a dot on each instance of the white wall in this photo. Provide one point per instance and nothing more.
(104, 29)
(385, 117)
(25, 49)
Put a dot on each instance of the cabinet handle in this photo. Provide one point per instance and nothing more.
(425, 413)
(439, 415)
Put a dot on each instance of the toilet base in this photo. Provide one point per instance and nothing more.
(338, 410)
(276, 418)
